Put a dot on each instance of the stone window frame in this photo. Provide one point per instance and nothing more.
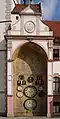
(56, 107)
(56, 84)
(57, 47)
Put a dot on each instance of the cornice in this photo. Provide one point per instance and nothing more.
(29, 38)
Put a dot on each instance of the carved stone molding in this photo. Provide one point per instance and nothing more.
(21, 37)
(50, 44)
(9, 49)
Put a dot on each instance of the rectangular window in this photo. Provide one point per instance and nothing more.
(56, 85)
(56, 107)
(55, 54)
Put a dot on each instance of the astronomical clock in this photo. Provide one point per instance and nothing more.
(29, 90)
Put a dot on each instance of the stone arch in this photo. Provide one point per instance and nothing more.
(19, 47)
(30, 60)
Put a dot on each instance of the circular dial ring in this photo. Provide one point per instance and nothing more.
(30, 104)
(29, 26)
(30, 79)
(19, 88)
(19, 94)
(30, 91)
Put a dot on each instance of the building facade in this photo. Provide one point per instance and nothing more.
(32, 65)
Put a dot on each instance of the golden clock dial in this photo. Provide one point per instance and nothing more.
(41, 88)
(30, 91)
(19, 94)
(19, 88)
(21, 77)
(30, 104)
(30, 79)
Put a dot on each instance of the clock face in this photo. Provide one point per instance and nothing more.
(21, 77)
(30, 91)
(29, 26)
(41, 88)
(19, 88)
(19, 94)
(30, 104)
(30, 79)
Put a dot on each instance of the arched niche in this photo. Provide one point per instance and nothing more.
(30, 60)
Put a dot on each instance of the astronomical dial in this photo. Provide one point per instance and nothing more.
(29, 26)
(19, 88)
(21, 77)
(40, 88)
(30, 91)
(30, 79)
(22, 82)
(19, 94)
(30, 104)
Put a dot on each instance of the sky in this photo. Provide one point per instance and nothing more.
(50, 9)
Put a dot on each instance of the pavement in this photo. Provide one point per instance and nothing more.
(35, 117)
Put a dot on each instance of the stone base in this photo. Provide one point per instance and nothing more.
(10, 106)
(50, 106)
(10, 115)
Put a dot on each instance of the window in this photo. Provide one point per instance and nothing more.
(56, 84)
(56, 107)
(55, 54)
(17, 17)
